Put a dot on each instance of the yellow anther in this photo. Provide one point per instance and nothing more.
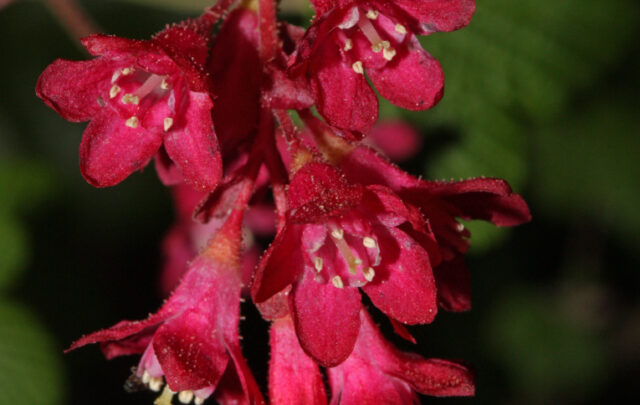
(185, 396)
(132, 122)
(146, 377)
(369, 242)
(357, 67)
(459, 227)
(130, 99)
(388, 53)
(155, 383)
(337, 282)
(400, 29)
(165, 84)
(127, 71)
(115, 89)
(338, 233)
(369, 273)
(372, 14)
(198, 401)
(348, 45)
(168, 123)
(317, 263)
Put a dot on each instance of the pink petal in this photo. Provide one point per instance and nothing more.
(294, 378)
(193, 146)
(73, 89)
(280, 265)
(453, 280)
(435, 377)
(327, 319)
(403, 287)
(167, 171)
(238, 386)
(190, 352)
(412, 80)
(396, 139)
(343, 97)
(110, 150)
(439, 15)
(365, 166)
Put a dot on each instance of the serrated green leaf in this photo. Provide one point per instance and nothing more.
(30, 371)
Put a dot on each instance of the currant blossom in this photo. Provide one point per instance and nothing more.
(339, 237)
(140, 96)
(193, 340)
(353, 37)
(378, 373)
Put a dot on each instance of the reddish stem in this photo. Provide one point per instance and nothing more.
(73, 18)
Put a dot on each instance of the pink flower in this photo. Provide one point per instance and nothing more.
(378, 373)
(442, 204)
(192, 341)
(139, 95)
(340, 237)
(351, 37)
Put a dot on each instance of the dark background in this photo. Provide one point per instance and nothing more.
(542, 93)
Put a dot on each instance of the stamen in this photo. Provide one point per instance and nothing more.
(115, 76)
(146, 377)
(317, 263)
(345, 250)
(130, 99)
(348, 45)
(168, 123)
(127, 71)
(400, 29)
(115, 89)
(372, 14)
(132, 122)
(368, 273)
(337, 233)
(369, 31)
(165, 84)
(164, 398)
(357, 67)
(198, 401)
(459, 227)
(377, 47)
(388, 53)
(369, 242)
(337, 282)
(155, 383)
(185, 396)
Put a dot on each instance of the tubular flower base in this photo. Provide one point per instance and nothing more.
(346, 220)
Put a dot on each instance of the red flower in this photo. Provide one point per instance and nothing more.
(340, 237)
(139, 95)
(442, 204)
(351, 37)
(378, 373)
(193, 341)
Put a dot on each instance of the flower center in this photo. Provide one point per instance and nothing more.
(131, 87)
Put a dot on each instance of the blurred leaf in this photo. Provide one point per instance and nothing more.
(183, 5)
(544, 353)
(23, 183)
(30, 372)
(13, 250)
(514, 66)
(587, 167)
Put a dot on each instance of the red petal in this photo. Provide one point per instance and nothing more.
(193, 146)
(403, 287)
(439, 15)
(453, 280)
(343, 97)
(294, 378)
(73, 89)
(412, 80)
(327, 319)
(435, 377)
(110, 150)
(396, 139)
(190, 351)
(281, 264)
(238, 386)
(365, 166)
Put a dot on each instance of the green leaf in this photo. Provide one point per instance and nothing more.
(515, 67)
(23, 184)
(30, 370)
(13, 250)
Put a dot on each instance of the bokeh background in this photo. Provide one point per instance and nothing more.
(543, 93)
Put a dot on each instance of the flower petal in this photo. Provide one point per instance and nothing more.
(111, 150)
(453, 280)
(193, 146)
(343, 97)
(439, 15)
(294, 378)
(403, 287)
(412, 80)
(435, 377)
(73, 89)
(327, 319)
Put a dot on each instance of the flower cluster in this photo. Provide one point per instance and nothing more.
(211, 100)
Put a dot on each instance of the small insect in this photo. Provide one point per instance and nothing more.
(134, 383)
